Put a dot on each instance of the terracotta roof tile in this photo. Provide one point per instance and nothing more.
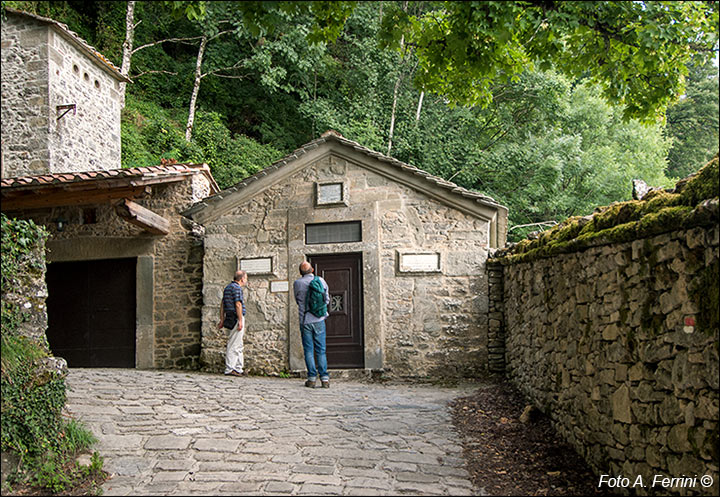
(133, 172)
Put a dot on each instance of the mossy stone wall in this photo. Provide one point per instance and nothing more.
(612, 330)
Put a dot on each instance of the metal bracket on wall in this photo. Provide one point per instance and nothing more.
(66, 108)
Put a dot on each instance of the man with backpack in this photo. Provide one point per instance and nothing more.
(312, 297)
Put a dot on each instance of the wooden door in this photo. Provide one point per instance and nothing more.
(91, 312)
(343, 274)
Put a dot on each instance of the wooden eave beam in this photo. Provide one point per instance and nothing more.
(140, 216)
(61, 197)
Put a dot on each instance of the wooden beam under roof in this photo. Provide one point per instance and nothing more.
(140, 216)
(62, 197)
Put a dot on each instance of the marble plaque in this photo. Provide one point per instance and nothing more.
(331, 193)
(260, 265)
(280, 286)
(411, 263)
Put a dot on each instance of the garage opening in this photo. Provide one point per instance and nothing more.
(91, 312)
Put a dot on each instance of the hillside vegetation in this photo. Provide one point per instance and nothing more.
(549, 142)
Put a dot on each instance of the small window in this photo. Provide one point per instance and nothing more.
(86, 77)
(333, 232)
(76, 69)
(97, 84)
(89, 216)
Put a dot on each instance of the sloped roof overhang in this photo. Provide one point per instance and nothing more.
(92, 187)
(75, 40)
(331, 143)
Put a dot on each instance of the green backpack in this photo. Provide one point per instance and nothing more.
(315, 300)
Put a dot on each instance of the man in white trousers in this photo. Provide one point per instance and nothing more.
(232, 319)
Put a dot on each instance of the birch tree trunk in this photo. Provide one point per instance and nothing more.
(127, 45)
(395, 91)
(392, 114)
(417, 114)
(196, 89)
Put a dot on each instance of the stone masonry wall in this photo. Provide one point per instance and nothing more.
(89, 139)
(40, 71)
(614, 344)
(435, 325)
(431, 324)
(177, 266)
(25, 105)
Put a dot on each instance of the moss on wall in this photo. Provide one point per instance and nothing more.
(658, 212)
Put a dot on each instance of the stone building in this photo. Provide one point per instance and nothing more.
(124, 276)
(61, 100)
(403, 253)
(124, 272)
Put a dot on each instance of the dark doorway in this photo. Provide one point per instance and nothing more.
(91, 312)
(343, 274)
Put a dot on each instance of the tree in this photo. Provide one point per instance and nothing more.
(128, 51)
(692, 123)
(636, 52)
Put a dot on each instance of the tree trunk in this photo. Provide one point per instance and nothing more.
(127, 45)
(196, 89)
(395, 92)
(392, 114)
(417, 114)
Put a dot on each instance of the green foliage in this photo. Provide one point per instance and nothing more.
(548, 145)
(31, 410)
(19, 238)
(658, 212)
(32, 403)
(151, 133)
(637, 52)
(702, 185)
(692, 122)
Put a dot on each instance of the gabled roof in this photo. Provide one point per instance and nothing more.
(49, 189)
(79, 43)
(213, 206)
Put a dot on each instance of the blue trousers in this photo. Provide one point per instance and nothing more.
(313, 340)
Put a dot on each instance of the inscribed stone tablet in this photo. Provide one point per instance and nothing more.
(419, 262)
(330, 194)
(262, 265)
(279, 286)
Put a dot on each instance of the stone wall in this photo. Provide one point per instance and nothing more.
(41, 70)
(415, 324)
(25, 105)
(169, 268)
(618, 343)
(89, 138)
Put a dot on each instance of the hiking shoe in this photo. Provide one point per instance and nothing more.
(326, 384)
(310, 383)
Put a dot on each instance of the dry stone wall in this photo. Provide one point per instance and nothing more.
(619, 345)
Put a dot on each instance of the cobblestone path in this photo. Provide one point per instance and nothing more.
(192, 433)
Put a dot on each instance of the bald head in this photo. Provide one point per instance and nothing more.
(305, 268)
(239, 275)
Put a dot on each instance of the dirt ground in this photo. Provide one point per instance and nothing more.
(508, 457)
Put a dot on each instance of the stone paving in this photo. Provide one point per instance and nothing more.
(193, 433)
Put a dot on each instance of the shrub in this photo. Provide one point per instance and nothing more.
(32, 423)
